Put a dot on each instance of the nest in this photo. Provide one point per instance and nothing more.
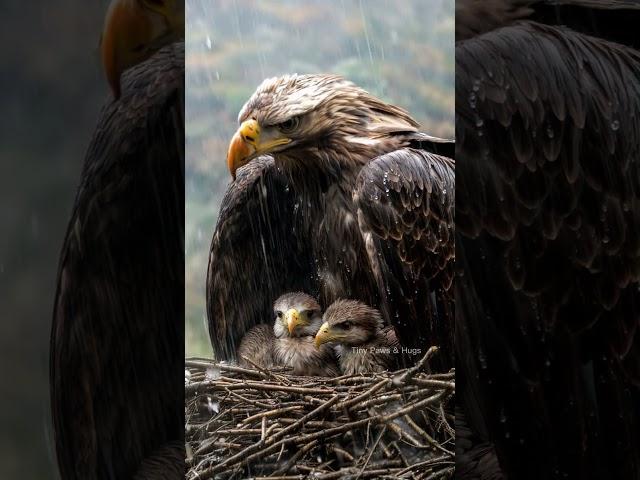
(254, 423)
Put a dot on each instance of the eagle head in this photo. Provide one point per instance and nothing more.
(297, 314)
(323, 119)
(349, 322)
(134, 30)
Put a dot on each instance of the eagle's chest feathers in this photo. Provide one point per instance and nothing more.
(338, 241)
(358, 360)
(299, 353)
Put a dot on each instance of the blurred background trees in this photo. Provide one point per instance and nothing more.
(401, 51)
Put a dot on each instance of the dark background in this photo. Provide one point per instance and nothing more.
(51, 89)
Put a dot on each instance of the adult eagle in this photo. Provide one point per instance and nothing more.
(548, 239)
(116, 363)
(352, 201)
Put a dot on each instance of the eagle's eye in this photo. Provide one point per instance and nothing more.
(289, 125)
(279, 314)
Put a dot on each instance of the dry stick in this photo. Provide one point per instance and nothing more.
(279, 454)
(439, 384)
(226, 368)
(292, 461)
(426, 436)
(265, 371)
(258, 386)
(403, 435)
(271, 429)
(284, 477)
(375, 445)
(449, 471)
(344, 472)
(256, 446)
(362, 396)
(344, 453)
(310, 423)
(388, 398)
(273, 393)
(280, 443)
(330, 432)
(450, 431)
(426, 463)
(422, 363)
(271, 413)
(413, 406)
(239, 431)
(248, 400)
(308, 416)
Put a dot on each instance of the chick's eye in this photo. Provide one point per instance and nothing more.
(346, 325)
(289, 125)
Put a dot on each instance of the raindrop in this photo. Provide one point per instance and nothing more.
(472, 100)
(615, 125)
(483, 360)
(208, 42)
(212, 373)
(479, 122)
(213, 407)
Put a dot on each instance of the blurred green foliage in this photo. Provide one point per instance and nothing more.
(402, 51)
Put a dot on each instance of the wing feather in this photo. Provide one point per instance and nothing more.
(405, 202)
(115, 368)
(547, 210)
(255, 255)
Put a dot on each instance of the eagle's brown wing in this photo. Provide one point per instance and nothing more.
(255, 255)
(116, 368)
(406, 205)
(548, 246)
(257, 347)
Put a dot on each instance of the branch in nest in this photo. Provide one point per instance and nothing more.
(390, 425)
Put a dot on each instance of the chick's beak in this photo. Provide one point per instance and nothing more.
(134, 30)
(324, 335)
(293, 319)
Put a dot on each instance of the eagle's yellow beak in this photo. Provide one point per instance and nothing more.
(249, 141)
(293, 319)
(324, 335)
(134, 30)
